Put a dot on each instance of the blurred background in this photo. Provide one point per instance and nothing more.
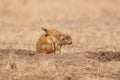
(93, 24)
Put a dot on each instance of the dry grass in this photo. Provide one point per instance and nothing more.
(93, 24)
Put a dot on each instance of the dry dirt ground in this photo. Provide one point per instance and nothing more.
(94, 26)
(27, 65)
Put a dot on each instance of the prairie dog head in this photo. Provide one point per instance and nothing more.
(65, 39)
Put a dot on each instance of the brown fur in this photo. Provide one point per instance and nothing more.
(52, 41)
(45, 44)
(65, 39)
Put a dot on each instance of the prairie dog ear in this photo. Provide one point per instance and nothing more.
(44, 29)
